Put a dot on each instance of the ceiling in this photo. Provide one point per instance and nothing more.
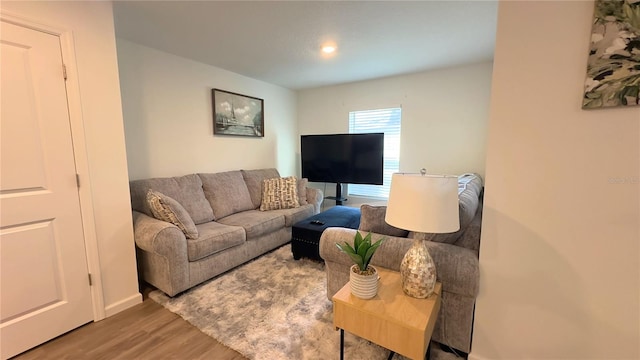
(279, 41)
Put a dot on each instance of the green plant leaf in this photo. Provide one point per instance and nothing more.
(358, 240)
(358, 260)
(371, 251)
(362, 251)
(368, 238)
(346, 248)
(379, 242)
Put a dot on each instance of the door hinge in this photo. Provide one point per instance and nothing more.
(90, 280)
(64, 71)
(78, 179)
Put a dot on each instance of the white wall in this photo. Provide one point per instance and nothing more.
(95, 50)
(560, 255)
(444, 116)
(168, 117)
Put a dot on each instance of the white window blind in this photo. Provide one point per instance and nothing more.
(380, 120)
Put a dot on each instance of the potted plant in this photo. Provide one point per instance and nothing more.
(362, 277)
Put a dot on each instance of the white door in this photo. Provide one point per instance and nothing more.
(44, 286)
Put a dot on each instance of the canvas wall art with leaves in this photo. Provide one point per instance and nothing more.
(613, 69)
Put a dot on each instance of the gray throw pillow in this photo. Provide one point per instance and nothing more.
(167, 209)
(302, 191)
(372, 220)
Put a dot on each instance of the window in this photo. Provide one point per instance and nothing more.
(388, 122)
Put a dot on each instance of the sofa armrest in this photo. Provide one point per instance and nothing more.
(315, 197)
(163, 257)
(456, 267)
(158, 236)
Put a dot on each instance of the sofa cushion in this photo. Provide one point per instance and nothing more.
(372, 220)
(226, 192)
(469, 189)
(167, 209)
(255, 223)
(279, 193)
(292, 216)
(253, 179)
(302, 191)
(214, 237)
(187, 190)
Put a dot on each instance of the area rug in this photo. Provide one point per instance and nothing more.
(273, 307)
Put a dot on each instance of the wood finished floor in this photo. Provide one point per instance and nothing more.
(145, 331)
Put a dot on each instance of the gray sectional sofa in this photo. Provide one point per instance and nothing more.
(225, 208)
(455, 256)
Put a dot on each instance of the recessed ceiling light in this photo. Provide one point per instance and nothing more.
(328, 49)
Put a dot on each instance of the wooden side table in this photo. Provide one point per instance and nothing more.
(391, 319)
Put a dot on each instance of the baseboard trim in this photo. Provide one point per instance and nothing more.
(123, 304)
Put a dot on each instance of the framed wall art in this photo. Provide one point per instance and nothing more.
(237, 114)
(613, 69)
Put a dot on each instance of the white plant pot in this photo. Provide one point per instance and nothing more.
(363, 286)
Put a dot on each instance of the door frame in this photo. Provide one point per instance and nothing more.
(81, 158)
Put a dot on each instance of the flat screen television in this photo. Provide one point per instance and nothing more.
(343, 158)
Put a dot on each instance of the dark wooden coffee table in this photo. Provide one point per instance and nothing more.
(305, 234)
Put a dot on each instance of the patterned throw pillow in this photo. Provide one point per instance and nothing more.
(279, 193)
(167, 209)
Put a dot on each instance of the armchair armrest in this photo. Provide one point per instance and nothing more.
(388, 255)
(456, 267)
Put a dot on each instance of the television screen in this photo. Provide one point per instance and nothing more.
(343, 158)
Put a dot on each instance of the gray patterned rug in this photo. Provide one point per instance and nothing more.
(271, 308)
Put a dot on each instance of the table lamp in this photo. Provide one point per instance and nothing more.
(428, 204)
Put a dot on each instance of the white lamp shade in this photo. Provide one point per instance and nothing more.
(424, 203)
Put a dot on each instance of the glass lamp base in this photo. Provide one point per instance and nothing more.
(418, 271)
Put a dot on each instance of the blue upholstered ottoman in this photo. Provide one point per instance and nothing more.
(305, 234)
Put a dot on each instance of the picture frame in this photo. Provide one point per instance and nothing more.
(236, 114)
(613, 74)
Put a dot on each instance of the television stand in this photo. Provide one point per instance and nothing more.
(338, 198)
